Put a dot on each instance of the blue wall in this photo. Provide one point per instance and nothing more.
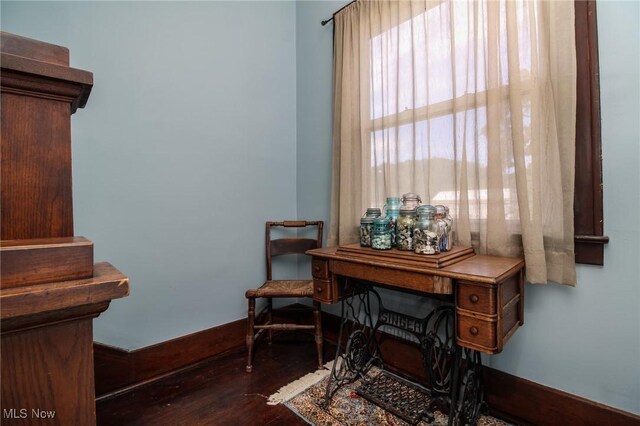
(186, 146)
(207, 119)
(583, 340)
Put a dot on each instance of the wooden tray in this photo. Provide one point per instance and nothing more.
(456, 254)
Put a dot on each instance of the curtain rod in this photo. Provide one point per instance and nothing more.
(326, 21)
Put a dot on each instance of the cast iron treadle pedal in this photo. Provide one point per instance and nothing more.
(403, 398)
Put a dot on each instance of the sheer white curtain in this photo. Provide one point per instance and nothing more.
(471, 104)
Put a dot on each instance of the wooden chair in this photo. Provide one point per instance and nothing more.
(283, 288)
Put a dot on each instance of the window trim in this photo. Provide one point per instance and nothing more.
(589, 235)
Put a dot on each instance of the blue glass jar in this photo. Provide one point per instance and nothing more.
(425, 234)
(392, 203)
(391, 212)
(381, 238)
(366, 226)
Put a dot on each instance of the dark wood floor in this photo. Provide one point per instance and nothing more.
(219, 392)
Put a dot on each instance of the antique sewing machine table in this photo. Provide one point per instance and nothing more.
(481, 306)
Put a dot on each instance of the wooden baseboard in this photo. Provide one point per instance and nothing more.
(524, 401)
(510, 397)
(117, 369)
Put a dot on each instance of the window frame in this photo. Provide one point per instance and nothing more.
(589, 235)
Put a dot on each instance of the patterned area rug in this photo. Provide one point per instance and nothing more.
(347, 408)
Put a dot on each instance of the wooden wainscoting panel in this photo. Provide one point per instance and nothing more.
(49, 370)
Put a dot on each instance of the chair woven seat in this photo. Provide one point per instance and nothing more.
(283, 288)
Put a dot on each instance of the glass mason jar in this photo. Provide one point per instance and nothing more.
(425, 234)
(373, 212)
(366, 225)
(381, 237)
(449, 220)
(392, 211)
(443, 227)
(404, 228)
(392, 203)
(411, 200)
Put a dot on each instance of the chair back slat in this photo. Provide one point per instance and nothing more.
(294, 223)
(294, 245)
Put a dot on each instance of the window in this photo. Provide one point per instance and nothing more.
(417, 123)
(422, 117)
(472, 104)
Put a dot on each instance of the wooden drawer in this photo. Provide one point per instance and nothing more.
(476, 297)
(324, 291)
(487, 315)
(320, 269)
(477, 333)
(411, 280)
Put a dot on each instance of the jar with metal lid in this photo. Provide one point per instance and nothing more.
(392, 211)
(373, 212)
(404, 228)
(443, 227)
(366, 226)
(381, 238)
(425, 234)
(449, 220)
(411, 200)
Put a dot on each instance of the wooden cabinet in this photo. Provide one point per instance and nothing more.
(487, 290)
(50, 289)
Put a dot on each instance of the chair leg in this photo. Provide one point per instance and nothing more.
(270, 317)
(251, 316)
(318, 323)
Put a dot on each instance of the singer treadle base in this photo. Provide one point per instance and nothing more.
(405, 399)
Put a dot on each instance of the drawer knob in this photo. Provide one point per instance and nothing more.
(319, 289)
(474, 298)
(473, 331)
